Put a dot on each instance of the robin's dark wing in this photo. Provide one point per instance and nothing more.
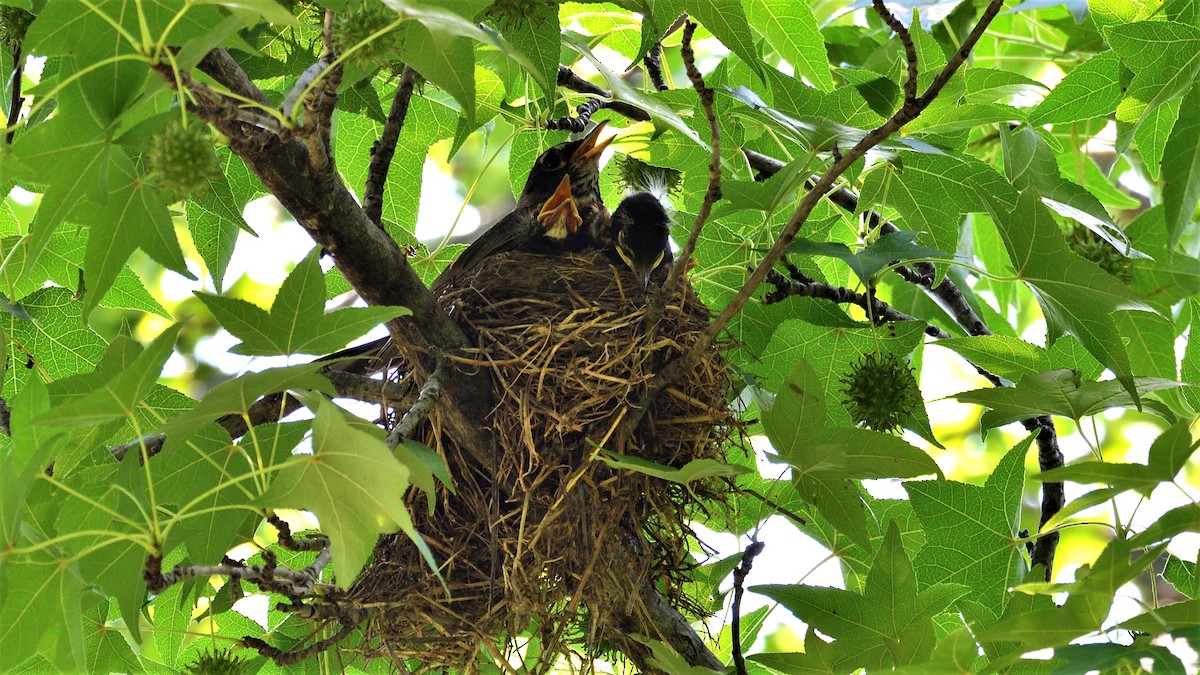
(506, 235)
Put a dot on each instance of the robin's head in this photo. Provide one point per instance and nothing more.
(559, 218)
(579, 159)
(643, 234)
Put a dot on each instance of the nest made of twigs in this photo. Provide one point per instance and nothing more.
(553, 540)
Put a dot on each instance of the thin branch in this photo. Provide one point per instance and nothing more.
(653, 65)
(385, 148)
(431, 393)
(568, 79)
(297, 583)
(274, 407)
(287, 541)
(284, 658)
(17, 101)
(879, 311)
(739, 577)
(910, 50)
(713, 193)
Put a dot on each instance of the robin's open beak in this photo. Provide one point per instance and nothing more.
(559, 216)
(592, 146)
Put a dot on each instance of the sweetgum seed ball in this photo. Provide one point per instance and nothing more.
(880, 392)
(181, 160)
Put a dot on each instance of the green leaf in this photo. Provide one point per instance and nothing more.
(651, 103)
(297, 321)
(215, 216)
(1174, 522)
(1031, 165)
(445, 60)
(1008, 357)
(933, 192)
(1076, 296)
(1121, 476)
(1093, 89)
(1182, 575)
(1181, 170)
(972, 534)
(41, 612)
(238, 394)
(889, 624)
(1057, 392)
(791, 30)
(117, 397)
(867, 261)
(38, 345)
(1152, 134)
(1164, 56)
(340, 483)
(536, 34)
(725, 20)
(825, 459)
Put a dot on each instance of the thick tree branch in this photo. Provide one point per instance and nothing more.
(370, 260)
(385, 148)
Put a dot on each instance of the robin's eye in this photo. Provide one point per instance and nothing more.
(553, 162)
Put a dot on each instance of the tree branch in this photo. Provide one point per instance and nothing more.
(431, 392)
(368, 258)
(879, 311)
(739, 577)
(568, 79)
(385, 148)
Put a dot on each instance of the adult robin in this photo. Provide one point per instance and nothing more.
(575, 162)
(578, 161)
(640, 230)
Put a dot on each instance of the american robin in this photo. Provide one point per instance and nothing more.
(579, 160)
(576, 162)
(641, 232)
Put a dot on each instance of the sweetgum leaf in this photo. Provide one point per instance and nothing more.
(351, 482)
(297, 321)
(972, 534)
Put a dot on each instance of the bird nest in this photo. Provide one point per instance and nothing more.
(553, 543)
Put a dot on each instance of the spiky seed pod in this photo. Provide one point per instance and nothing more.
(181, 160)
(634, 175)
(880, 392)
(14, 21)
(1089, 246)
(355, 28)
(218, 662)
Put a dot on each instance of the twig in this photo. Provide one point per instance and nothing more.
(739, 577)
(298, 582)
(568, 79)
(653, 64)
(5, 417)
(879, 311)
(910, 50)
(287, 541)
(713, 193)
(385, 148)
(17, 101)
(285, 658)
(431, 392)
(583, 116)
